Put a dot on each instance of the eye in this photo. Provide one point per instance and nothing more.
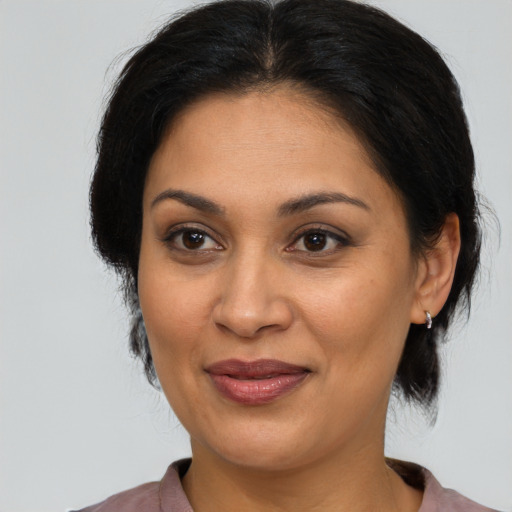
(318, 240)
(189, 239)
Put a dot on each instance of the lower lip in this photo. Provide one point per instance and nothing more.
(257, 391)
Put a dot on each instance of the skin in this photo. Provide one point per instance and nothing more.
(255, 290)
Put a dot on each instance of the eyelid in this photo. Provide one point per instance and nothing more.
(321, 228)
(175, 230)
(335, 233)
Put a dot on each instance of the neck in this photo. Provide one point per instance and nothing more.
(359, 482)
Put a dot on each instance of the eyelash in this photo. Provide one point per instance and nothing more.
(173, 236)
(339, 239)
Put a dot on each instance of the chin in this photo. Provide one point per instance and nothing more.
(262, 458)
(262, 447)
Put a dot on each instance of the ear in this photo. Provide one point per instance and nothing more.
(436, 271)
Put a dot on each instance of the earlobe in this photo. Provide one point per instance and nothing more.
(436, 272)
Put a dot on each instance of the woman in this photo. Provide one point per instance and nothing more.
(287, 191)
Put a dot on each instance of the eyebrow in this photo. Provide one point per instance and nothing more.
(189, 199)
(291, 207)
(308, 201)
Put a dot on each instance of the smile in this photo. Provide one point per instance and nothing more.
(255, 382)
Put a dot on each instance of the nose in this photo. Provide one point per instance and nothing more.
(253, 299)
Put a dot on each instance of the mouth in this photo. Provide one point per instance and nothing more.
(255, 382)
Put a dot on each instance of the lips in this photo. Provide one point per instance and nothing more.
(255, 382)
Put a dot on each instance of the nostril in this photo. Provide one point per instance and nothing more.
(249, 326)
(243, 329)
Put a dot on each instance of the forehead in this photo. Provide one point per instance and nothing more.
(263, 144)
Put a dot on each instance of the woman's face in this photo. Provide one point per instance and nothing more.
(276, 281)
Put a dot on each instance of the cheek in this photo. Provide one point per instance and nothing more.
(362, 317)
(168, 308)
(173, 307)
(174, 315)
(173, 311)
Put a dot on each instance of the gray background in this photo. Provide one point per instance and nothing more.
(77, 420)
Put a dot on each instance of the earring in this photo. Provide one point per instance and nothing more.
(428, 319)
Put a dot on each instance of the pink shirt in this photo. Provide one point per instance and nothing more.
(168, 496)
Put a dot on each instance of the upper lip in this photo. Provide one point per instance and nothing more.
(259, 368)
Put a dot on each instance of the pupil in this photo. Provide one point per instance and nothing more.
(192, 239)
(315, 242)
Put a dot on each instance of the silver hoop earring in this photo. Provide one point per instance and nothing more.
(428, 319)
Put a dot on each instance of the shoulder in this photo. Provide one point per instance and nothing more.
(143, 497)
(435, 497)
(166, 494)
(439, 499)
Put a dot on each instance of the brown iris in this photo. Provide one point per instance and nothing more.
(314, 241)
(193, 239)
